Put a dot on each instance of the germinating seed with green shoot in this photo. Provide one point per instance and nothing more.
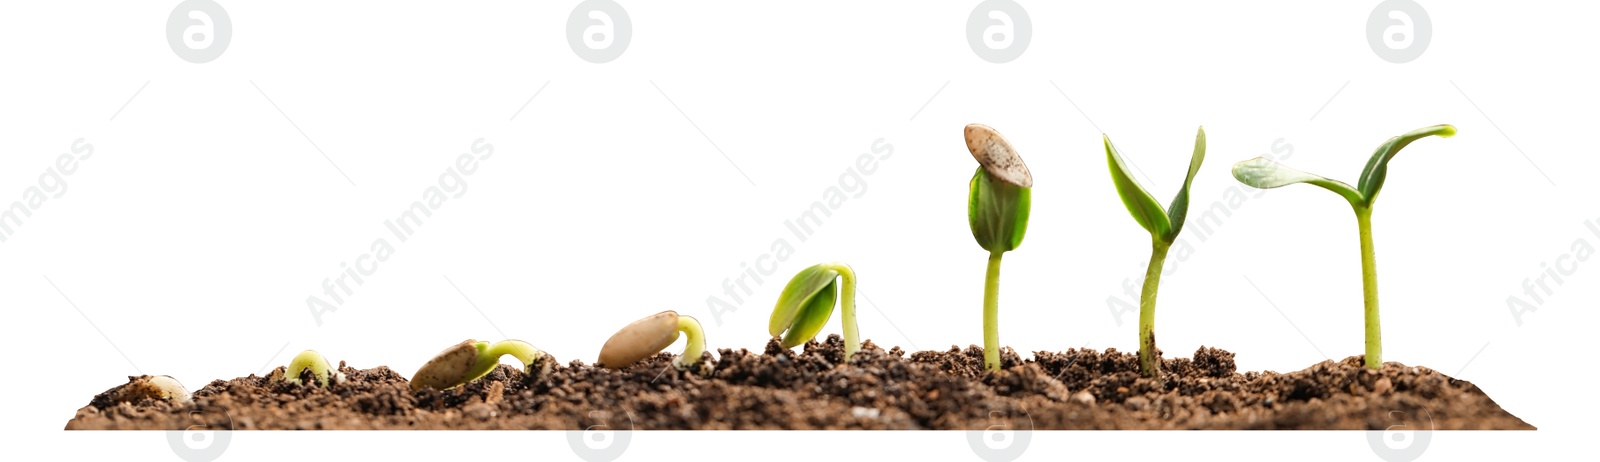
(1163, 226)
(646, 337)
(1263, 173)
(998, 201)
(807, 302)
(469, 360)
(324, 372)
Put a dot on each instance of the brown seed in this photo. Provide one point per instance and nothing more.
(156, 387)
(639, 340)
(997, 156)
(447, 369)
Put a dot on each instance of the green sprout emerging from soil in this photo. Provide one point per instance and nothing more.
(998, 201)
(650, 335)
(1164, 226)
(1263, 173)
(469, 360)
(807, 302)
(318, 365)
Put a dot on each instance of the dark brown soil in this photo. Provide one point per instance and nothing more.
(781, 389)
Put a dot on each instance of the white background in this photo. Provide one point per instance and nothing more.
(188, 243)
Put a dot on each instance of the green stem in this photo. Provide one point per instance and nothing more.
(1148, 364)
(847, 306)
(991, 313)
(694, 346)
(1369, 289)
(489, 356)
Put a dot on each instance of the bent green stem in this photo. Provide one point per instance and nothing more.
(847, 307)
(1149, 366)
(694, 346)
(1369, 289)
(991, 313)
(489, 357)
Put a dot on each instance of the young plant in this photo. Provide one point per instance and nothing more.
(1263, 173)
(998, 200)
(471, 359)
(807, 302)
(1164, 226)
(318, 365)
(647, 336)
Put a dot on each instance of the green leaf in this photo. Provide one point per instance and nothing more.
(1378, 166)
(805, 305)
(1141, 205)
(1179, 210)
(1265, 174)
(997, 211)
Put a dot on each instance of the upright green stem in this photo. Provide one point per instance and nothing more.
(1148, 364)
(694, 346)
(847, 304)
(991, 313)
(1369, 289)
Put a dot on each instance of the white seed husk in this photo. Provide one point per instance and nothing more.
(997, 156)
(639, 340)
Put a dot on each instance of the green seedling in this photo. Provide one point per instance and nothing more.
(1263, 173)
(998, 200)
(807, 302)
(469, 360)
(1164, 226)
(324, 372)
(650, 335)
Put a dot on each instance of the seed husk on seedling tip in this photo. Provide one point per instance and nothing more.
(324, 372)
(1262, 173)
(471, 359)
(645, 337)
(807, 302)
(1163, 226)
(998, 202)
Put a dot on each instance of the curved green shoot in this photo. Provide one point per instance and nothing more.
(318, 365)
(1163, 226)
(999, 200)
(807, 302)
(470, 360)
(1264, 174)
(640, 339)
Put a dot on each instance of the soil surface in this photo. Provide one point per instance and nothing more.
(782, 389)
